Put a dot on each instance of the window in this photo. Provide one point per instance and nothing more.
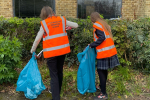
(31, 8)
(108, 8)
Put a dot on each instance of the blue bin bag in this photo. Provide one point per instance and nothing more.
(30, 80)
(86, 71)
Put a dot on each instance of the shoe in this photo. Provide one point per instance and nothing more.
(101, 96)
(50, 91)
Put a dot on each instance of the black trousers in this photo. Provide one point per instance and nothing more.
(55, 65)
(103, 78)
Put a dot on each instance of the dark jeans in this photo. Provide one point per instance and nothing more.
(103, 78)
(55, 65)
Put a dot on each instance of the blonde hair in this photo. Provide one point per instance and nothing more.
(95, 16)
(46, 12)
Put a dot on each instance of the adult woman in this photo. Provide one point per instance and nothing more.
(55, 46)
(106, 51)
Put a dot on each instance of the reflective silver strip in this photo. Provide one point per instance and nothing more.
(44, 39)
(98, 25)
(63, 22)
(45, 26)
(56, 48)
(54, 36)
(107, 36)
(106, 48)
(95, 37)
(58, 35)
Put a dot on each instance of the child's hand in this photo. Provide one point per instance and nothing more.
(68, 28)
(38, 57)
(89, 45)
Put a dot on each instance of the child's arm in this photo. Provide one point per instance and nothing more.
(101, 38)
(37, 39)
(71, 24)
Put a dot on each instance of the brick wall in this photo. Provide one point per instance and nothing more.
(130, 8)
(133, 9)
(6, 8)
(147, 8)
(67, 8)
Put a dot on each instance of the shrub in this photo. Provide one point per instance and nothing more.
(10, 53)
(130, 37)
(139, 41)
(24, 29)
(132, 40)
(119, 30)
(79, 38)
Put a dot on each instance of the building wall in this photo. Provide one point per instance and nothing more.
(67, 8)
(6, 8)
(147, 8)
(133, 9)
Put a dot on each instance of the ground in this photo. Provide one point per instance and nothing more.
(46, 96)
(123, 83)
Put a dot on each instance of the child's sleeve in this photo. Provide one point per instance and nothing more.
(71, 24)
(37, 39)
(101, 38)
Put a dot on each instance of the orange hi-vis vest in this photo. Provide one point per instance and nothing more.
(55, 41)
(106, 48)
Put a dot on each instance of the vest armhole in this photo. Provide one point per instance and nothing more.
(65, 20)
(44, 29)
(98, 28)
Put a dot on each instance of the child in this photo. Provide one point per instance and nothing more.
(106, 51)
(55, 46)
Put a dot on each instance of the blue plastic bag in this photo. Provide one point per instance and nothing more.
(30, 80)
(86, 71)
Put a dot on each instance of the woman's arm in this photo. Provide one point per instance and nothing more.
(37, 39)
(71, 24)
(101, 38)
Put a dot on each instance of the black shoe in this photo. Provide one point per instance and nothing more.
(50, 91)
(101, 96)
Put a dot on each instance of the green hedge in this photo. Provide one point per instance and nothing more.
(131, 38)
(24, 29)
(10, 54)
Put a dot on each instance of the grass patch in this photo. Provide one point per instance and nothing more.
(123, 83)
(118, 80)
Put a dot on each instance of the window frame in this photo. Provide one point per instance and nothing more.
(94, 6)
(14, 13)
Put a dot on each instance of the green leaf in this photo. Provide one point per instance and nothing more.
(118, 41)
(2, 55)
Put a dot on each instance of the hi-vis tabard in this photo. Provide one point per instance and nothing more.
(107, 47)
(55, 41)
